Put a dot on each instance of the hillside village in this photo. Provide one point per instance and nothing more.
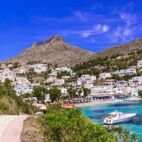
(73, 88)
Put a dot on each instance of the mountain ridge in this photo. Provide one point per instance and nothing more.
(122, 49)
(54, 51)
(57, 52)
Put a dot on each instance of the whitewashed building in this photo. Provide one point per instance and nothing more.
(102, 91)
(110, 82)
(62, 69)
(22, 89)
(104, 75)
(139, 64)
(22, 81)
(85, 79)
(7, 74)
(20, 70)
(38, 68)
(129, 71)
(135, 81)
(47, 99)
(59, 82)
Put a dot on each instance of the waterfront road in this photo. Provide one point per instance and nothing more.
(11, 127)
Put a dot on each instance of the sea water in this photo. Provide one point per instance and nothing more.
(97, 113)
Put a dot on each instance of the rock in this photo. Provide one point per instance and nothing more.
(54, 51)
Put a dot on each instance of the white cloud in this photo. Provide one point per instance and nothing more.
(122, 34)
(128, 18)
(80, 15)
(96, 30)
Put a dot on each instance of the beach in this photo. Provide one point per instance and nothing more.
(100, 102)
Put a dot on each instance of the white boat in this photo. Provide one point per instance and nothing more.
(118, 117)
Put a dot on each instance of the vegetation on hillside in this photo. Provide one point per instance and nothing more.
(70, 125)
(10, 103)
(140, 93)
(111, 64)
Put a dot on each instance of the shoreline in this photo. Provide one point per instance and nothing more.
(94, 103)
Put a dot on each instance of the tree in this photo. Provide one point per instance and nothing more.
(126, 136)
(26, 95)
(134, 138)
(70, 125)
(79, 92)
(72, 92)
(63, 73)
(15, 65)
(7, 84)
(140, 93)
(116, 76)
(86, 92)
(55, 94)
(39, 92)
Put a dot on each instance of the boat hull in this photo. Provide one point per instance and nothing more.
(119, 120)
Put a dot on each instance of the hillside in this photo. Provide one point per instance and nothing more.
(54, 51)
(113, 59)
(123, 49)
(8, 105)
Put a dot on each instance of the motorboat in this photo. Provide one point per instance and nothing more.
(118, 117)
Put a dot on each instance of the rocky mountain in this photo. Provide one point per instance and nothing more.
(54, 51)
(131, 47)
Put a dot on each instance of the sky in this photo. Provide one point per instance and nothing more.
(90, 24)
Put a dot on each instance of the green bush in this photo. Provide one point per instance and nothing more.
(70, 125)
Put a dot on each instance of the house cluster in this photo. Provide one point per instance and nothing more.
(102, 87)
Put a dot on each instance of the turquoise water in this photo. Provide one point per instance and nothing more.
(97, 114)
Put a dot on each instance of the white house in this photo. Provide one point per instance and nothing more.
(20, 70)
(7, 74)
(61, 69)
(85, 79)
(129, 71)
(38, 68)
(89, 86)
(139, 64)
(104, 75)
(22, 89)
(135, 81)
(134, 92)
(122, 83)
(22, 81)
(59, 82)
(120, 90)
(110, 82)
(102, 90)
(47, 99)
(51, 79)
(63, 90)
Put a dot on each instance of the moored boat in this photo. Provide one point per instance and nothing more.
(118, 117)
